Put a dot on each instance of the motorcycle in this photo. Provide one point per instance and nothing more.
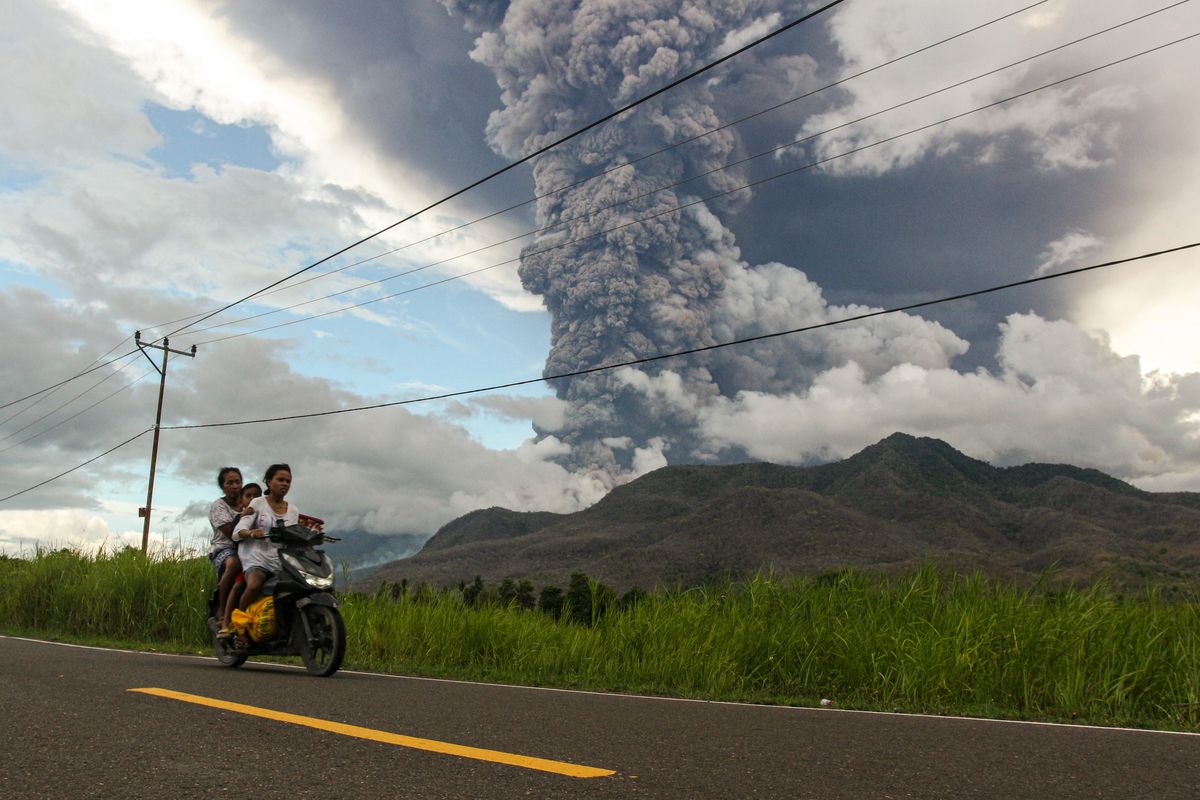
(308, 623)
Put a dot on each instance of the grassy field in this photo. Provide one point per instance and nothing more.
(926, 642)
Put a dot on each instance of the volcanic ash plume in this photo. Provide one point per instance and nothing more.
(674, 279)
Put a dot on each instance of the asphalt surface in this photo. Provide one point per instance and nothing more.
(73, 730)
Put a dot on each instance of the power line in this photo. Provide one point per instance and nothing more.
(706, 348)
(58, 408)
(784, 103)
(79, 413)
(532, 155)
(76, 376)
(53, 389)
(277, 288)
(610, 169)
(201, 317)
(873, 114)
(78, 466)
(795, 170)
(197, 317)
(636, 361)
(86, 371)
(710, 347)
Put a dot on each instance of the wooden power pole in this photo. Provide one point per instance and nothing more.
(162, 388)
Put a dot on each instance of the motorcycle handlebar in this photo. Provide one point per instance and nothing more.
(295, 533)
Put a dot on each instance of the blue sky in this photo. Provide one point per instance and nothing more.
(442, 330)
(190, 138)
(160, 161)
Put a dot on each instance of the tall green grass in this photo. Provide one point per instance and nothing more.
(120, 596)
(924, 642)
(927, 641)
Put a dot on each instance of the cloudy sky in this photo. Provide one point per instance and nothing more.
(160, 160)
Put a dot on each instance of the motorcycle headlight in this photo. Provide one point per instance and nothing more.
(318, 582)
(313, 579)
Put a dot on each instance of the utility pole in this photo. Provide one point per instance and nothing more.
(162, 388)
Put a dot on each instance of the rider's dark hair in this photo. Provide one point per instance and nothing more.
(271, 470)
(225, 471)
(247, 487)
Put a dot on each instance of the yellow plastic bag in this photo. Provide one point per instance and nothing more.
(257, 621)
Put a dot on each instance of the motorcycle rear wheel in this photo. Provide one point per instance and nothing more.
(323, 653)
(227, 654)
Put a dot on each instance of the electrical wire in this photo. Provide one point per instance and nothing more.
(783, 28)
(81, 412)
(597, 210)
(635, 361)
(76, 376)
(694, 350)
(681, 206)
(575, 184)
(810, 137)
(563, 188)
(50, 391)
(659, 357)
(616, 167)
(130, 440)
(61, 406)
(89, 369)
(524, 159)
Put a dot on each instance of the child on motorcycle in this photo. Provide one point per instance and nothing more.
(249, 492)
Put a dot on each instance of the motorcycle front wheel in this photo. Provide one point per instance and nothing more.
(323, 653)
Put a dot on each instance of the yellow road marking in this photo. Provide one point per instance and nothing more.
(463, 751)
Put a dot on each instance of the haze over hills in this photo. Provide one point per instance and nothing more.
(898, 503)
(362, 552)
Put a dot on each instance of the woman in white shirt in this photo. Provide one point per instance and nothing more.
(258, 554)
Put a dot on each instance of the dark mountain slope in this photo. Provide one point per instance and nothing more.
(900, 502)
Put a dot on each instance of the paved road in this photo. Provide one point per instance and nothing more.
(74, 730)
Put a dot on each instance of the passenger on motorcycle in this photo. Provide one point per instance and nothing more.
(249, 492)
(223, 516)
(260, 556)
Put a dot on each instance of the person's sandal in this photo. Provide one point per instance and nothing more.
(241, 642)
(226, 633)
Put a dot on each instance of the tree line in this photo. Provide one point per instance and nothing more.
(585, 601)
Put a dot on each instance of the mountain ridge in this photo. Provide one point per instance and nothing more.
(897, 503)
